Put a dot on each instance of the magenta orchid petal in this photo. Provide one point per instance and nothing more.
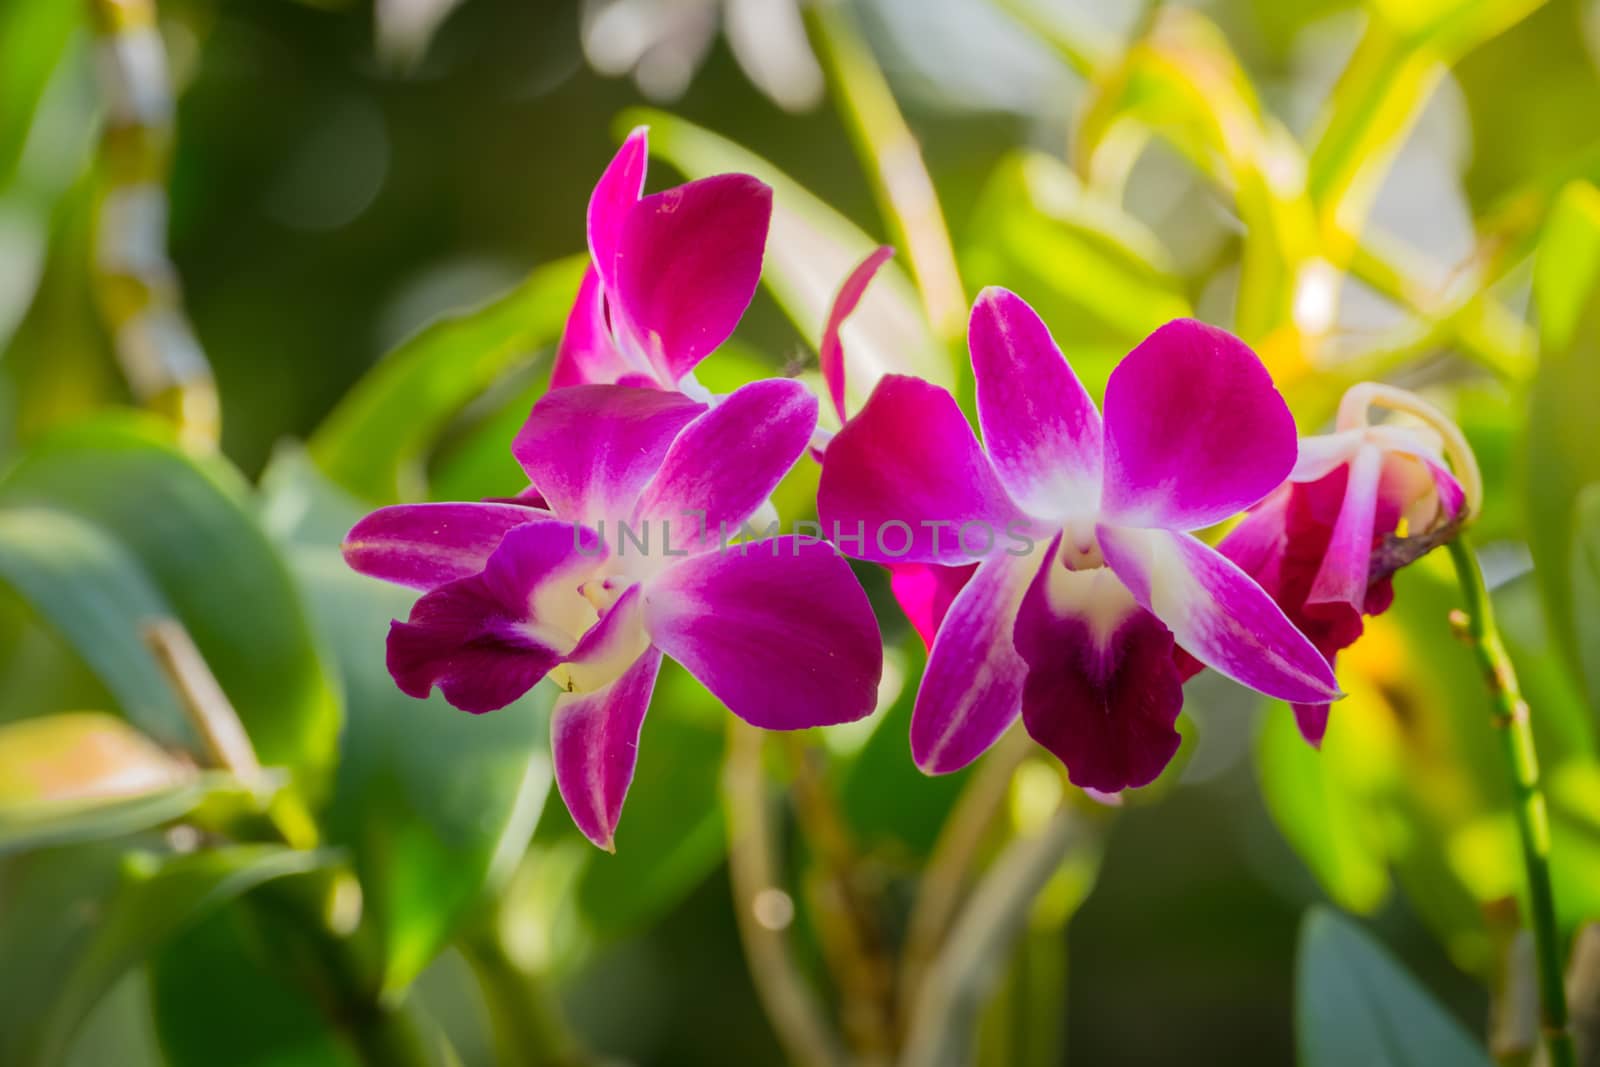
(595, 741)
(1040, 428)
(1312, 719)
(779, 630)
(486, 639)
(1346, 567)
(1102, 689)
(587, 354)
(905, 476)
(1217, 613)
(424, 546)
(1319, 456)
(830, 353)
(972, 688)
(614, 196)
(688, 261)
(590, 450)
(925, 592)
(1256, 544)
(1452, 498)
(1194, 430)
(725, 464)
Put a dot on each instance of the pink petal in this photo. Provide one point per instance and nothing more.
(830, 354)
(1347, 562)
(1102, 692)
(1312, 719)
(613, 198)
(1040, 427)
(1257, 544)
(426, 545)
(595, 741)
(925, 592)
(481, 639)
(726, 463)
(587, 355)
(1217, 614)
(903, 477)
(779, 631)
(590, 449)
(972, 688)
(687, 265)
(1195, 430)
(1319, 456)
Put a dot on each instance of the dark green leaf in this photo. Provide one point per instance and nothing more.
(1355, 1005)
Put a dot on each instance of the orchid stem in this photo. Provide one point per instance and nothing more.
(847, 920)
(1476, 626)
(955, 853)
(889, 151)
(135, 283)
(791, 1005)
(524, 1012)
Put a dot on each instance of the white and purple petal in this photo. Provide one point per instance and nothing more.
(972, 688)
(1218, 613)
(778, 630)
(830, 353)
(423, 546)
(1346, 566)
(723, 466)
(688, 261)
(594, 738)
(1040, 428)
(1194, 430)
(486, 639)
(1102, 690)
(614, 196)
(589, 450)
(904, 478)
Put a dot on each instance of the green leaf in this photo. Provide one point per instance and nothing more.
(1586, 590)
(1320, 810)
(33, 37)
(91, 589)
(76, 919)
(810, 251)
(1561, 457)
(1038, 231)
(375, 442)
(184, 522)
(433, 804)
(1354, 1004)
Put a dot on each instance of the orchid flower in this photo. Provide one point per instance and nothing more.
(778, 630)
(670, 277)
(1361, 503)
(1087, 572)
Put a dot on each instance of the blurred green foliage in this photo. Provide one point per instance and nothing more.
(378, 253)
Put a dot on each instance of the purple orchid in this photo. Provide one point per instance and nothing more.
(1324, 544)
(778, 630)
(1086, 570)
(671, 275)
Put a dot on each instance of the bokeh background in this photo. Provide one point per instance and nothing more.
(342, 175)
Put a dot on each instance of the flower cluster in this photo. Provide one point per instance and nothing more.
(1055, 570)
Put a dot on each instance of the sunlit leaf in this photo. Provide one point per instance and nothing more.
(1317, 799)
(809, 252)
(1037, 231)
(187, 525)
(375, 442)
(75, 919)
(33, 36)
(1355, 1004)
(1561, 457)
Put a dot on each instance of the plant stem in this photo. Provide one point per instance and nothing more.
(529, 1029)
(889, 151)
(135, 283)
(950, 868)
(1476, 626)
(848, 923)
(790, 1004)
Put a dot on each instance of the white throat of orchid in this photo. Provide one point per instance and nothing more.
(1357, 403)
(562, 614)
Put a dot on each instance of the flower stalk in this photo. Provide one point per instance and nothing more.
(1476, 626)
